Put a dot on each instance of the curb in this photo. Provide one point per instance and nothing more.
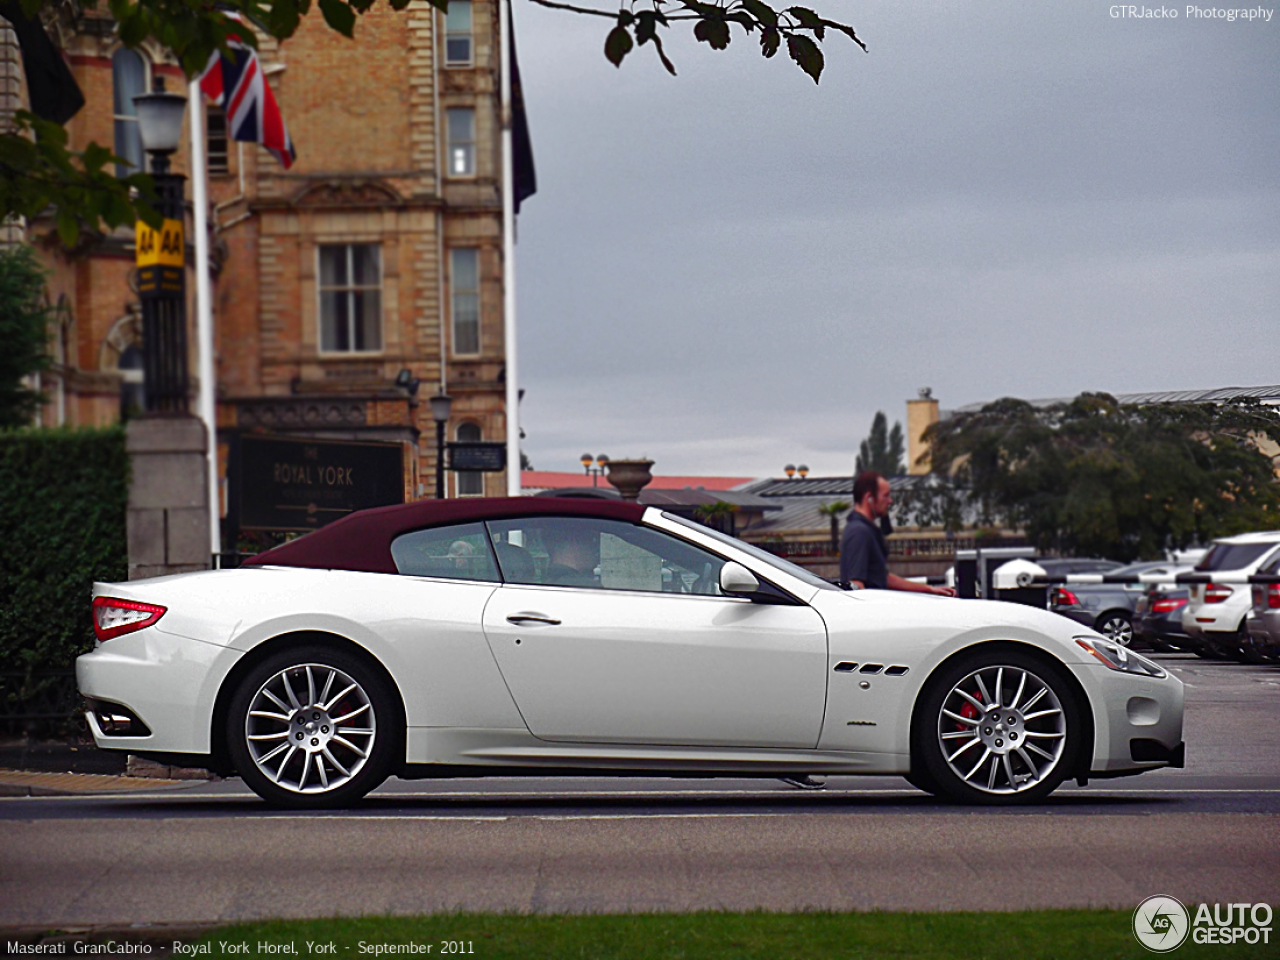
(20, 783)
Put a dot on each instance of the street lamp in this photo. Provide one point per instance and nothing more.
(593, 472)
(161, 258)
(441, 404)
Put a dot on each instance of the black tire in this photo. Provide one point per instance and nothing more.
(1052, 733)
(1250, 652)
(1116, 625)
(335, 712)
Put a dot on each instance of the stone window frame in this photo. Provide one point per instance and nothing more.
(455, 32)
(455, 291)
(468, 145)
(319, 245)
(469, 483)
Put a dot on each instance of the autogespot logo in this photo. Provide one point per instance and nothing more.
(1160, 923)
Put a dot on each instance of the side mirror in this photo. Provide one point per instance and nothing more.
(737, 581)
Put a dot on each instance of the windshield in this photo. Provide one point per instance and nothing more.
(1233, 556)
(800, 573)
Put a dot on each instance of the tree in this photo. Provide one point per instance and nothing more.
(24, 331)
(1095, 477)
(37, 170)
(833, 511)
(882, 450)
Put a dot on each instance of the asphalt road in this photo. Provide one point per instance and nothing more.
(211, 852)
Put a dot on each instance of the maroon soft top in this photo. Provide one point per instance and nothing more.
(362, 540)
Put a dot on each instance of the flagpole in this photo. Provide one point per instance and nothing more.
(509, 256)
(205, 406)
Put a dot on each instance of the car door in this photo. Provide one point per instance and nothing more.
(634, 643)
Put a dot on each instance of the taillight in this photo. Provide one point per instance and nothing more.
(1273, 596)
(1168, 604)
(113, 617)
(1216, 592)
(1064, 598)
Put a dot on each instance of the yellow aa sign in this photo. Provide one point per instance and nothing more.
(163, 247)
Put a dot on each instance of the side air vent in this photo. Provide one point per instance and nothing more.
(896, 671)
(844, 666)
(871, 668)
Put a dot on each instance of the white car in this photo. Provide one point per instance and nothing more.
(1216, 614)
(556, 636)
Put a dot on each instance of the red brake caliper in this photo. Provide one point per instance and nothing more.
(969, 712)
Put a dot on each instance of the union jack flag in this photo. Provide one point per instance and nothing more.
(235, 82)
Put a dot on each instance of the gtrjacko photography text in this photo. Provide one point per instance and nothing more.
(1230, 14)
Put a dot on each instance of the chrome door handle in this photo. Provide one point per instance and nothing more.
(519, 618)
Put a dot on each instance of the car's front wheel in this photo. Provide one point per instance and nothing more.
(998, 726)
(312, 727)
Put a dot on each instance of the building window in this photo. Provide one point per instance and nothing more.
(132, 387)
(216, 140)
(350, 298)
(457, 34)
(470, 482)
(465, 277)
(462, 142)
(128, 79)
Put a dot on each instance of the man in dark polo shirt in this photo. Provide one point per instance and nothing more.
(864, 553)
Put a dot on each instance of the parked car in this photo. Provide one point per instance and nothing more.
(1216, 612)
(1264, 619)
(1157, 619)
(1063, 566)
(1108, 607)
(533, 636)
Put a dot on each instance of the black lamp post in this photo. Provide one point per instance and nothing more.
(441, 404)
(161, 259)
(593, 472)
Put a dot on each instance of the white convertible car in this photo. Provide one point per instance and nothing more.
(590, 637)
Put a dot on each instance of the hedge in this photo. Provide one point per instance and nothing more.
(63, 500)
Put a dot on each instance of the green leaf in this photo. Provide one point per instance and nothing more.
(96, 157)
(339, 16)
(617, 45)
(68, 228)
(806, 53)
(761, 11)
(662, 55)
(715, 33)
(769, 40)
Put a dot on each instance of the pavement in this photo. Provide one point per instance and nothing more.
(28, 783)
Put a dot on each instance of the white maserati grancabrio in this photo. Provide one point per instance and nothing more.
(579, 636)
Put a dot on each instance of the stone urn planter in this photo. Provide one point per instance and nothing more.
(629, 477)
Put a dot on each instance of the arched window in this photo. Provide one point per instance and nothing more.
(470, 482)
(132, 383)
(128, 79)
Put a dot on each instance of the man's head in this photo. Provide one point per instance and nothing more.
(568, 545)
(872, 495)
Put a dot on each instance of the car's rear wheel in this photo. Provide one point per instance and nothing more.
(312, 727)
(998, 727)
(1115, 625)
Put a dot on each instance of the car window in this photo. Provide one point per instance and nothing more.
(458, 552)
(1233, 556)
(786, 566)
(601, 554)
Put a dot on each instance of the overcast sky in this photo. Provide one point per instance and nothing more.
(734, 269)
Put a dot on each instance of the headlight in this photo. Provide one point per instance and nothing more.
(1119, 658)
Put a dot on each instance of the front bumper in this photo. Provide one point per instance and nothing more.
(1133, 708)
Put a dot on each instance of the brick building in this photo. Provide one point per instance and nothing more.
(379, 251)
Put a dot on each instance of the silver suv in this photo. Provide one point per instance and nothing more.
(1216, 612)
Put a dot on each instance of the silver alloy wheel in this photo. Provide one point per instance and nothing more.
(1118, 628)
(310, 728)
(1002, 729)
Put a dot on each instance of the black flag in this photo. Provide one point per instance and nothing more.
(54, 93)
(524, 180)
